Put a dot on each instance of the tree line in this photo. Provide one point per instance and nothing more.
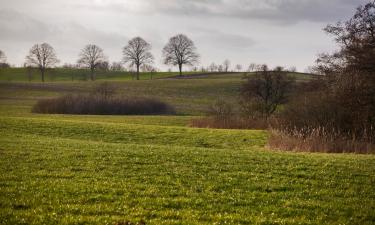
(179, 51)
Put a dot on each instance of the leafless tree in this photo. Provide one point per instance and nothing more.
(91, 56)
(220, 68)
(238, 67)
(226, 65)
(3, 58)
(137, 53)
(42, 56)
(252, 67)
(180, 50)
(213, 67)
(292, 69)
(265, 91)
(116, 66)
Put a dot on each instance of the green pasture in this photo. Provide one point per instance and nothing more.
(74, 169)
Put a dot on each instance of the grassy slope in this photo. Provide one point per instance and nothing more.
(103, 172)
(68, 75)
(64, 169)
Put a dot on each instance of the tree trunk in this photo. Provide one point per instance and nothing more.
(42, 71)
(180, 68)
(137, 72)
(92, 74)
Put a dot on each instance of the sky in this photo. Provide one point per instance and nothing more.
(276, 32)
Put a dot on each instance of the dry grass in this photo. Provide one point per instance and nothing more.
(317, 140)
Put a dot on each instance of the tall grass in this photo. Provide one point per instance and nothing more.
(318, 140)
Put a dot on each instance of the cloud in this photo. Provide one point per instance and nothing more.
(279, 11)
(222, 40)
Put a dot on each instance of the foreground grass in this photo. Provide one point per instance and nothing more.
(70, 169)
(67, 170)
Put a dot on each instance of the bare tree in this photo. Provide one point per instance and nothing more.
(3, 58)
(117, 66)
(137, 53)
(42, 56)
(265, 91)
(252, 67)
(238, 67)
(220, 68)
(91, 56)
(226, 65)
(292, 69)
(213, 67)
(180, 50)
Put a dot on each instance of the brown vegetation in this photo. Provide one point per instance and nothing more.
(99, 105)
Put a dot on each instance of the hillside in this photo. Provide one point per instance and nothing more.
(73, 169)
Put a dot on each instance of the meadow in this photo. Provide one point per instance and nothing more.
(73, 169)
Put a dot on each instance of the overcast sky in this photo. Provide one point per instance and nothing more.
(276, 32)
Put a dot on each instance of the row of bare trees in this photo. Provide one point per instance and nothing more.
(3, 60)
(179, 51)
(253, 67)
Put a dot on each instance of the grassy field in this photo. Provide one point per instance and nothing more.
(69, 75)
(71, 169)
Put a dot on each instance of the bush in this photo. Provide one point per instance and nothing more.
(337, 118)
(101, 105)
(317, 140)
(221, 116)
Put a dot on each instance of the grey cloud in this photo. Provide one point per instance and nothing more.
(16, 26)
(281, 11)
(223, 40)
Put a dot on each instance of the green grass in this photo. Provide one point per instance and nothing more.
(55, 170)
(69, 75)
(72, 169)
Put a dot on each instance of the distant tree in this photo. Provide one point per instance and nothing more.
(180, 50)
(137, 53)
(265, 91)
(238, 67)
(226, 65)
(148, 68)
(292, 69)
(213, 67)
(42, 56)
(220, 68)
(3, 58)
(117, 66)
(91, 56)
(252, 67)
(104, 66)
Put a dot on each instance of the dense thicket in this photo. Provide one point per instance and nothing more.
(342, 106)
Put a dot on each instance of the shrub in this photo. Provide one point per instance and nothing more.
(99, 105)
(317, 140)
(222, 116)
